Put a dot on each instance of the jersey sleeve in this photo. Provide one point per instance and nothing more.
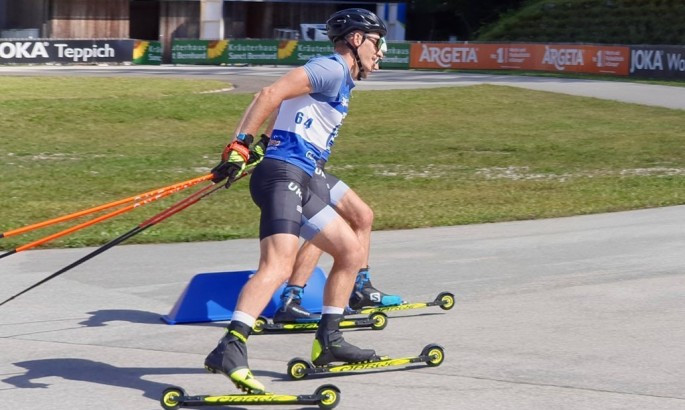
(325, 76)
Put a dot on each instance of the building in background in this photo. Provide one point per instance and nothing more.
(165, 20)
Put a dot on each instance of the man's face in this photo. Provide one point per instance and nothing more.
(370, 51)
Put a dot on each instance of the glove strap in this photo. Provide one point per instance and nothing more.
(239, 147)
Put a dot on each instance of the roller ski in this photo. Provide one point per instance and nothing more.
(292, 317)
(444, 300)
(375, 321)
(330, 347)
(366, 299)
(432, 355)
(326, 397)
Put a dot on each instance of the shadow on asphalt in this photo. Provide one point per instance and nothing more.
(101, 317)
(106, 374)
(95, 372)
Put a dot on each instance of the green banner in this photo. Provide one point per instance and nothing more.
(252, 52)
(397, 56)
(189, 52)
(295, 52)
(269, 52)
(147, 52)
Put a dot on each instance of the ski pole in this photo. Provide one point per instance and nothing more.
(160, 195)
(175, 208)
(113, 204)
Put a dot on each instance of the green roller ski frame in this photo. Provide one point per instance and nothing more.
(375, 321)
(445, 300)
(433, 355)
(326, 397)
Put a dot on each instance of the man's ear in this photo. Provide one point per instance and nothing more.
(357, 38)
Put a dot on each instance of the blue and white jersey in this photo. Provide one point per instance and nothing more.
(306, 126)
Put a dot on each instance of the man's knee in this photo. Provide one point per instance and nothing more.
(273, 273)
(365, 217)
(351, 255)
(356, 212)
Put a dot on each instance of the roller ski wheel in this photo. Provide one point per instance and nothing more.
(432, 355)
(379, 319)
(375, 321)
(298, 368)
(444, 300)
(326, 396)
(330, 396)
(171, 398)
(259, 324)
(435, 355)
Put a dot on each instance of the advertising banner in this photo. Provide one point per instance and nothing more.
(252, 51)
(65, 51)
(396, 57)
(224, 52)
(583, 59)
(189, 52)
(147, 52)
(534, 57)
(294, 52)
(658, 61)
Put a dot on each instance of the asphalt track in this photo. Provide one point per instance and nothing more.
(583, 312)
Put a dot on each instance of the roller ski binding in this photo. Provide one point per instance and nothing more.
(366, 295)
(326, 397)
(432, 355)
(291, 310)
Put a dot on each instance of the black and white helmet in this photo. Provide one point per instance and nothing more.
(346, 21)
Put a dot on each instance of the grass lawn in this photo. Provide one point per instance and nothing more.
(420, 158)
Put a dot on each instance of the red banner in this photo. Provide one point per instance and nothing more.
(535, 57)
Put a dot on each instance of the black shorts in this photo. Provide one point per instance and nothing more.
(327, 186)
(281, 191)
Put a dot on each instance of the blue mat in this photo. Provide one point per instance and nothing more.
(210, 297)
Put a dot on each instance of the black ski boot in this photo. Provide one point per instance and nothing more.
(365, 295)
(229, 358)
(330, 346)
(291, 310)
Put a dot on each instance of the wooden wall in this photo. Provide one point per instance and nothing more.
(177, 19)
(89, 19)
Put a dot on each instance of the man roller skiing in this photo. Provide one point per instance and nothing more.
(312, 102)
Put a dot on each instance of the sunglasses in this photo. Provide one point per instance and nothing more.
(378, 42)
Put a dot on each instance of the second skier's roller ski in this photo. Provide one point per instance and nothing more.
(445, 300)
(366, 299)
(326, 397)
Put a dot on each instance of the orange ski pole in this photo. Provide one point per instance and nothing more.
(174, 209)
(149, 199)
(135, 198)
